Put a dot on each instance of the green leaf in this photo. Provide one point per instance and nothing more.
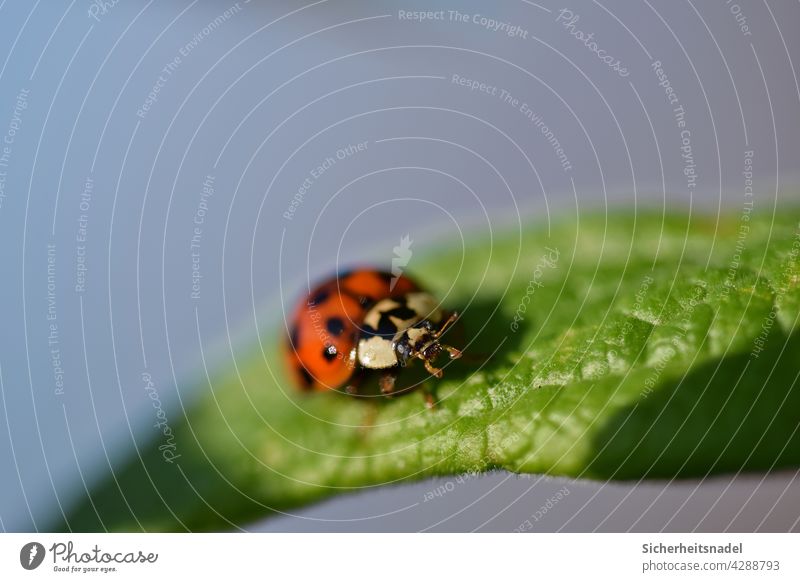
(625, 346)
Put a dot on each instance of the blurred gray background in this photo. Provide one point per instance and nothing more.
(113, 115)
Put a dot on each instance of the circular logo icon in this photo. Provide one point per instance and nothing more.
(31, 555)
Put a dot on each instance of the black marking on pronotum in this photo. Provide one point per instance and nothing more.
(329, 352)
(335, 325)
(386, 327)
(403, 312)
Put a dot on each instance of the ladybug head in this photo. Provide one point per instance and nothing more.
(421, 341)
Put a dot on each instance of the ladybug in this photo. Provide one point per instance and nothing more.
(363, 320)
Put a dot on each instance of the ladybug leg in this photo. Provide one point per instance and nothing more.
(433, 371)
(454, 353)
(386, 382)
(355, 382)
(430, 401)
(427, 393)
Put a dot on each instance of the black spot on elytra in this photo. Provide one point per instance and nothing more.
(329, 353)
(319, 298)
(294, 337)
(305, 378)
(335, 325)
